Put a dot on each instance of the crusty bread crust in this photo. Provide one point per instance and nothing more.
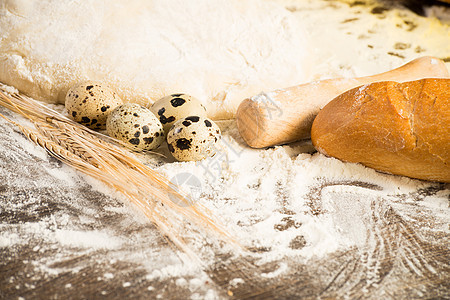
(399, 128)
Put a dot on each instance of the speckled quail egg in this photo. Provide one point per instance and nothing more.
(193, 138)
(175, 107)
(89, 103)
(136, 126)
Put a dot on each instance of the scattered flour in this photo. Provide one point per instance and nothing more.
(87, 239)
(195, 283)
(8, 239)
(268, 199)
(173, 270)
(236, 281)
(181, 282)
(281, 269)
(9, 89)
(62, 174)
(438, 201)
(91, 240)
(263, 196)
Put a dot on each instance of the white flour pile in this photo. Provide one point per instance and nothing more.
(283, 201)
(219, 51)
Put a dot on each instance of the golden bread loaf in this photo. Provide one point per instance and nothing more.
(398, 128)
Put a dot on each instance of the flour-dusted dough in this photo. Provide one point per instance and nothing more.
(219, 51)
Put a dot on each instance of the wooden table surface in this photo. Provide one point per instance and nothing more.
(404, 252)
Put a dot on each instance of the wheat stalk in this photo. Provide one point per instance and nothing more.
(104, 159)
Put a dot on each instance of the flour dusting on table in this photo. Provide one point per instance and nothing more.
(289, 206)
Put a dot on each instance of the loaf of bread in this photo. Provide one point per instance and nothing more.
(398, 128)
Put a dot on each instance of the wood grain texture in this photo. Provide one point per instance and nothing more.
(401, 251)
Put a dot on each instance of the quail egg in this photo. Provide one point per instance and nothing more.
(193, 138)
(89, 103)
(136, 126)
(172, 108)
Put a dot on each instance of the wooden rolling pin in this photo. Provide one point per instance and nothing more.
(286, 115)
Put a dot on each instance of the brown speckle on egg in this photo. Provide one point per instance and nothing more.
(177, 102)
(148, 140)
(183, 144)
(134, 141)
(195, 144)
(136, 125)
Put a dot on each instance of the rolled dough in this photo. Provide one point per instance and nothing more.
(220, 51)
